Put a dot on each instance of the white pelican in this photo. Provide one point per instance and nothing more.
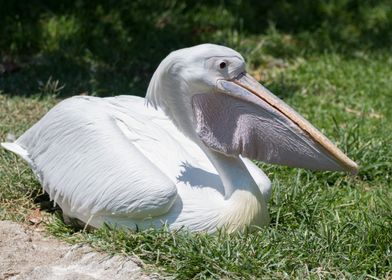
(179, 157)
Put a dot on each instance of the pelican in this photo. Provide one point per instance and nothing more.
(179, 157)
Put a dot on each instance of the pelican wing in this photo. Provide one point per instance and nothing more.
(87, 158)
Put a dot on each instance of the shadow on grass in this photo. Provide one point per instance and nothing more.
(112, 47)
(44, 201)
(73, 78)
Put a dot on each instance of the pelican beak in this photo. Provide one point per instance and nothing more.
(290, 139)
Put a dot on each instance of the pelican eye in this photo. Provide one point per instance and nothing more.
(222, 65)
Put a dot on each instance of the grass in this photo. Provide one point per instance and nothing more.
(325, 225)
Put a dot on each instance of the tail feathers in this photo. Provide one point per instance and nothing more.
(15, 148)
(24, 154)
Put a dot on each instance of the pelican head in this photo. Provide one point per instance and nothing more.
(210, 97)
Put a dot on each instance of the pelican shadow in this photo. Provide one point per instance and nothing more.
(199, 178)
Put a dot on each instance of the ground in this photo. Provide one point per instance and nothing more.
(29, 253)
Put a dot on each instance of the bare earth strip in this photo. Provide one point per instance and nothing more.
(28, 254)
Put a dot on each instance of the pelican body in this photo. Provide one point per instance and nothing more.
(179, 157)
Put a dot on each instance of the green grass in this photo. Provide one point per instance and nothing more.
(330, 60)
(324, 224)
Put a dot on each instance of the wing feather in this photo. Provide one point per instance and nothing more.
(84, 160)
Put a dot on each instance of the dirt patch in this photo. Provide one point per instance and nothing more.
(28, 254)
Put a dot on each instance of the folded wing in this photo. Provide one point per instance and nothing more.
(84, 159)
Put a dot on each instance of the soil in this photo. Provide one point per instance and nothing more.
(28, 253)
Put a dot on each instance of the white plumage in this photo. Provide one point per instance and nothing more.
(139, 163)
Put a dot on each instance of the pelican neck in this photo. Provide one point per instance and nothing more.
(232, 171)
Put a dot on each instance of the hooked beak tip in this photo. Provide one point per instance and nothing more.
(354, 169)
